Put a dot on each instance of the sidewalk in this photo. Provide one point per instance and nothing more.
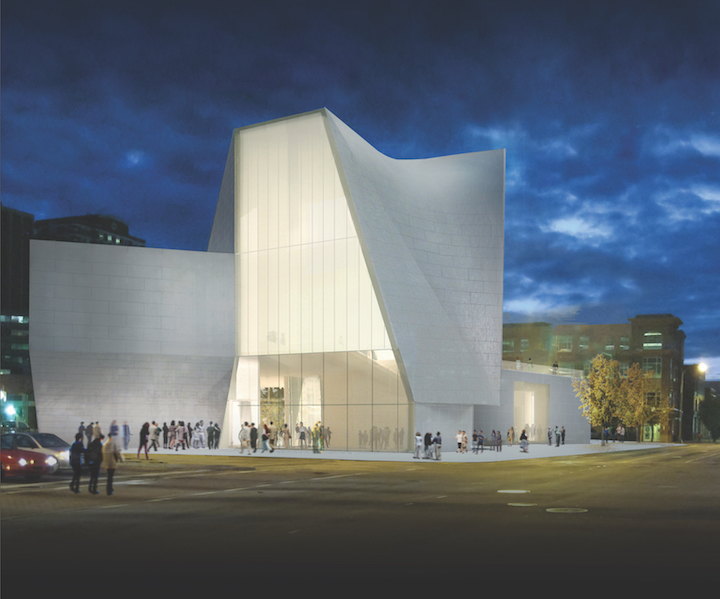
(537, 450)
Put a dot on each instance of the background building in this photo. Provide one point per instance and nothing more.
(653, 340)
(16, 388)
(91, 228)
(16, 381)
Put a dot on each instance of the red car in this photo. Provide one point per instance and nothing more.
(28, 464)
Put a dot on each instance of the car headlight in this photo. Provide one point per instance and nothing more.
(22, 462)
(51, 460)
(65, 456)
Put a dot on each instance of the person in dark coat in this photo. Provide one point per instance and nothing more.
(144, 432)
(217, 436)
(93, 459)
(253, 437)
(211, 435)
(77, 450)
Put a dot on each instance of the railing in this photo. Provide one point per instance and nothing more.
(542, 369)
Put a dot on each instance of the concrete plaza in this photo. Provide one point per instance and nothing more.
(508, 452)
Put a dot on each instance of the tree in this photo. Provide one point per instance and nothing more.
(709, 414)
(600, 392)
(635, 408)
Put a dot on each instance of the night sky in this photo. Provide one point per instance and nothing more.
(609, 112)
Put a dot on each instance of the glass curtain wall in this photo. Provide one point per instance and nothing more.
(306, 310)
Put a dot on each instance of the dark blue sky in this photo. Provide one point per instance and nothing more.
(609, 113)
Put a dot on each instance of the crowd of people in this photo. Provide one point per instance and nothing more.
(100, 452)
(271, 437)
(428, 447)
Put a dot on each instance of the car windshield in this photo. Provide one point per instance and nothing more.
(49, 440)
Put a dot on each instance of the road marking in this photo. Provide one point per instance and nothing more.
(336, 476)
(566, 510)
(512, 491)
(204, 493)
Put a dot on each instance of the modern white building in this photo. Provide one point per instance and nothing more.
(340, 286)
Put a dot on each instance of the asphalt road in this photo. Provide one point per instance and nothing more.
(627, 515)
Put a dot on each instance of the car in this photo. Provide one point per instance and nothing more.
(27, 464)
(11, 426)
(45, 443)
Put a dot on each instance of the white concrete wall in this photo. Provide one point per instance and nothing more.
(128, 333)
(564, 409)
(433, 231)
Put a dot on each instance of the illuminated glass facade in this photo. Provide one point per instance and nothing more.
(368, 290)
(311, 340)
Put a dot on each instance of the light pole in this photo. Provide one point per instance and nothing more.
(702, 368)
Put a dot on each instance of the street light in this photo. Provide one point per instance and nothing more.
(702, 368)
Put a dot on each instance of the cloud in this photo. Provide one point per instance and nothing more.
(666, 141)
(581, 228)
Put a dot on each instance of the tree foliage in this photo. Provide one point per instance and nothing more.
(600, 391)
(709, 414)
(634, 407)
(606, 396)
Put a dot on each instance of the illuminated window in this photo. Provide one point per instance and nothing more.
(654, 365)
(652, 340)
(564, 343)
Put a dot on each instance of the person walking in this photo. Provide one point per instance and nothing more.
(523, 441)
(126, 434)
(481, 442)
(302, 432)
(244, 438)
(418, 445)
(89, 433)
(210, 435)
(253, 437)
(77, 450)
(286, 437)
(154, 436)
(114, 433)
(265, 438)
(93, 459)
(437, 442)
(144, 432)
(427, 442)
(172, 434)
(272, 436)
(180, 435)
(111, 456)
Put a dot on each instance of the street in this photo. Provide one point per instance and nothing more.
(627, 515)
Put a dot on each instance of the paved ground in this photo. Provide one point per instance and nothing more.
(636, 512)
(507, 453)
